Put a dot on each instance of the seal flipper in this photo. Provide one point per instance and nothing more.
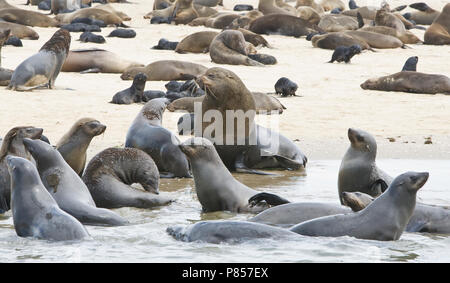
(269, 198)
(360, 20)
(420, 226)
(399, 8)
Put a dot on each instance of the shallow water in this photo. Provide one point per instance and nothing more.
(146, 240)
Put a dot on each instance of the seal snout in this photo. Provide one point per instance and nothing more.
(420, 179)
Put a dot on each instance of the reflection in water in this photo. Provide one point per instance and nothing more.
(132, 243)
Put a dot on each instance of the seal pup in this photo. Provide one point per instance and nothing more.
(166, 70)
(123, 33)
(80, 27)
(164, 44)
(14, 41)
(27, 18)
(35, 213)
(67, 188)
(411, 64)
(110, 174)
(147, 134)
(134, 93)
(385, 219)
(426, 218)
(73, 145)
(344, 54)
(439, 31)
(281, 24)
(242, 7)
(42, 68)
(230, 47)
(413, 82)
(197, 42)
(217, 232)
(285, 87)
(358, 171)
(12, 144)
(216, 188)
(96, 61)
(424, 14)
(88, 36)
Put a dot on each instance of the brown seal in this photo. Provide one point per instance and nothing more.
(28, 18)
(254, 38)
(196, 43)
(5, 74)
(336, 39)
(376, 40)
(109, 8)
(329, 5)
(308, 14)
(310, 3)
(281, 24)
(410, 81)
(407, 37)
(184, 12)
(20, 31)
(367, 12)
(166, 70)
(269, 7)
(5, 5)
(333, 23)
(385, 18)
(230, 47)
(93, 13)
(73, 145)
(96, 60)
(439, 31)
(424, 15)
(221, 21)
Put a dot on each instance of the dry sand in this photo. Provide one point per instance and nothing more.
(331, 99)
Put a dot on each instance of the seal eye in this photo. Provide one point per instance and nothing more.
(360, 138)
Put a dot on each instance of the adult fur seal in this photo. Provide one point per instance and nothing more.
(216, 188)
(439, 31)
(384, 18)
(42, 68)
(73, 145)
(406, 37)
(426, 218)
(35, 213)
(227, 231)
(64, 6)
(67, 188)
(385, 219)
(281, 24)
(358, 171)
(332, 23)
(197, 42)
(269, 7)
(376, 40)
(424, 14)
(109, 18)
(132, 94)
(184, 12)
(27, 18)
(5, 74)
(166, 70)
(21, 31)
(230, 47)
(336, 39)
(147, 134)
(96, 60)
(110, 174)
(12, 144)
(413, 82)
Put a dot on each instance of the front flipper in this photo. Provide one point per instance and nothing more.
(269, 198)
(378, 187)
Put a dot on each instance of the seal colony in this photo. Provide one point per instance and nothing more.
(60, 187)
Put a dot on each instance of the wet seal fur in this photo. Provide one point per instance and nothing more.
(134, 93)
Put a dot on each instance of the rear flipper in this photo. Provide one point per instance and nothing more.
(269, 198)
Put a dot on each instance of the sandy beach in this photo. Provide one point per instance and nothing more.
(330, 98)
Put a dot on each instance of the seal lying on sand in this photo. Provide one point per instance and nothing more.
(132, 94)
(166, 70)
(35, 213)
(147, 134)
(42, 68)
(67, 188)
(439, 31)
(197, 42)
(281, 24)
(96, 61)
(27, 18)
(384, 219)
(74, 144)
(424, 14)
(358, 171)
(21, 31)
(5, 74)
(110, 174)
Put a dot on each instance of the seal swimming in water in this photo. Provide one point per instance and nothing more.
(35, 213)
(147, 134)
(74, 144)
(385, 219)
(358, 170)
(426, 218)
(44, 67)
(110, 174)
(12, 144)
(166, 70)
(439, 31)
(67, 188)
(132, 94)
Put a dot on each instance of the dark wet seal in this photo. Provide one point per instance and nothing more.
(88, 36)
(344, 54)
(242, 7)
(14, 41)
(173, 86)
(123, 33)
(411, 64)
(80, 27)
(285, 87)
(164, 44)
(263, 58)
(352, 5)
(160, 20)
(89, 21)
(45, 5)
(171, 96)
(152, 94)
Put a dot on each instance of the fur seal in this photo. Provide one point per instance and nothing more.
(230, 47)
(35, 213)
(208, 3)
(67, 188)
(333, 23)
(12, 144)
(21, 31)
(5, 74)
(411, 64)
(329, 5)
(89, 21)
(164, 44)
(310, 3)
(216, 232)
(43, 67)
(269, 7)
(281, 24)
(166, 70)
(123, 33)
(336, 39)
(109, 18)
(384, 18)
(285, 87)
(221, 21)
(14, 41)
(73, 145)
(413, 82)
(424, 14)
(197, 42)
(110, 174)
(254, 38)
(407, 37)
(242, 7)
(132, 94)
(64, 6)
(439, 31)
(376, 40)
(81, 27)
(385, 219)
(147, 134)
(308, 14)
(358, 171)
(184, 12)
(344, 54)
(425, 219)
(367, 12)
(96, 60)
(27, 18)
(88, 36)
